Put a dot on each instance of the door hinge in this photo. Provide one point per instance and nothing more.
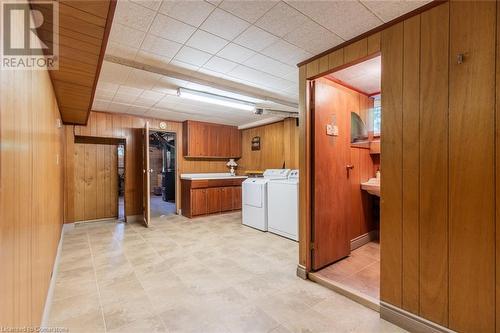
(311, 246)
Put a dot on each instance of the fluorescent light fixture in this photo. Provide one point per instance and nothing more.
(215, 99)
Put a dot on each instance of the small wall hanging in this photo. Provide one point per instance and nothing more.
(256, 143)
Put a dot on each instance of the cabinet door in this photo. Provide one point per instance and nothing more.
(213, 199)
(226, 199)
(198, 202)
(235, 142)
(224, 141)
(236, 197)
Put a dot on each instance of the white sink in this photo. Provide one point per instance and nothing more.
(372, 186)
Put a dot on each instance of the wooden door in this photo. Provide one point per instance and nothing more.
(331, 104)
(236, 197)
(213, 200)
(226, 199)
(198, 202)
(146, 170)
(96, 181)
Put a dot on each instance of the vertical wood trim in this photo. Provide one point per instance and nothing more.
(304, 172)
(391, 164)
(411, 104)
(434, 165)
(471, 168)
(497, 175)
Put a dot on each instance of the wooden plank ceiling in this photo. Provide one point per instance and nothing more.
(83, 33)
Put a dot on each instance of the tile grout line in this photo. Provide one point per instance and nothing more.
(97, 284)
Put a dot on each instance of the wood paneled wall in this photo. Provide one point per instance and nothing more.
(84, 28)
(128, 127)
(279, 144)
(95, 181)
(31, 193)
(439, 137)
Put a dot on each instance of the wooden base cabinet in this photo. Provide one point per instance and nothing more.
(203, 197)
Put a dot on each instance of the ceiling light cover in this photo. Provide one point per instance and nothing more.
(215, 99)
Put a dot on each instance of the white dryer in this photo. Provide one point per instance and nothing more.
(254, 198)
(283, 206)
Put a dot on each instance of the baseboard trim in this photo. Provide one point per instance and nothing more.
(348, 292)
(53, 278)
(301, 272)
(410, 321)
(364, 239)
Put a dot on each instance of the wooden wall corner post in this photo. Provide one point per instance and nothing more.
(304, 174)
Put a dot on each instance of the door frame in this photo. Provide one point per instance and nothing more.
(178, 156)
(306, 160)
(111, 141)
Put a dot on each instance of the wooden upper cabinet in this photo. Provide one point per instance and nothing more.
(211, 140)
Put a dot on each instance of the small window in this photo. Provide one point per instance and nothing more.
(377, 116)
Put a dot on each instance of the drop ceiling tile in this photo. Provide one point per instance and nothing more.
(292, 76)
(219, 65)
(118, 107)
(302, 38)
(104, 94)
(102, 85)
(207, 42)
(191, 12)
(114, 73)
(282, 19)
(152, 59)
(224, 25)
(145, 102)
(268, 65)
(210, 72)
(171, 29)
(133, 15)
(126, 36)
(235, 53)
(160, 46)
(120, 50)
(347, 19)
(286, 52)
(192, 56)
(168, 86)
(100, 105)
(246, 73)
(150, 94)
(151, 4)
(142, 79)
(249, 10)
(179, 65)
(255, 39)
(388, 10)
(137, 110)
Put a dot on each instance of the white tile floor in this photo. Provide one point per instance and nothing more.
(207, 274)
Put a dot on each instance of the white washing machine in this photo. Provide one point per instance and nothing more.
(283, 206)
(254, 198)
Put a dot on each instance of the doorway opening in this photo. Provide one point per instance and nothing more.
(346, 118)
(99, 179)
(121, 182)
(162, 163)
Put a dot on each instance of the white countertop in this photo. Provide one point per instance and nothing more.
(205, 176)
